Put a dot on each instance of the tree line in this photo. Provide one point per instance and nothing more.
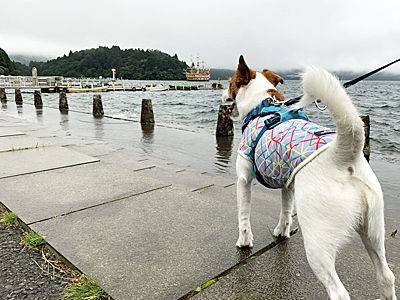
(129, 64)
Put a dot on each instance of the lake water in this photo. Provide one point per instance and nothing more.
(198, 110)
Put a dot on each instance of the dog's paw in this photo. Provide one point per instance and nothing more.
(245, 238)
(283, 228)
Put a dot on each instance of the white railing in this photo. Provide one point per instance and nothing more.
(16, 82)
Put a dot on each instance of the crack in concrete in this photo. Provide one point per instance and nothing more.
(241, 263)
(100, 204)
(51, 169)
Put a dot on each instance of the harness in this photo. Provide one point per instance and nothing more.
(278, 111)
(277, 154)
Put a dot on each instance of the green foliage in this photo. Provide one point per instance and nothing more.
(8, 67)
(21, 69)
(84, 288)
(32, 239)
(129, 63)
(207, 284)
(273, 237)
(9, 219)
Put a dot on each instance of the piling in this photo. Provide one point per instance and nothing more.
(98, 111)
(147, 115)
(224, 123)
(367, 148)
(18, 97)
(37, 99)
(3, 95)
(63, 103)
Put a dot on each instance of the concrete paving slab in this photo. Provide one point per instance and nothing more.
(283, 272)
(39, 196)
(22, 162)
(187, 177)
(158, 245)
(174, 172)
(12, 143)
(5, 132)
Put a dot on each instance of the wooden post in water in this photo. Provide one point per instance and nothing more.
(98, 111)
(37, 99)
(3, 95)
(63, 103)
(147, 115)
(224, 123)
(367, 148)
(18, 97)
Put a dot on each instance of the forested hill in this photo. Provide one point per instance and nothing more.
(8, 67)
(129, 63)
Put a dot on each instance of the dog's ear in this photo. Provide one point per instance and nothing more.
(272, 77)
(243, 72)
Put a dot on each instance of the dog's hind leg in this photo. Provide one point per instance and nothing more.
(372, 233)
(327, 211)
(245, 177)
(321, 257)
(285, 219)
(384, 276)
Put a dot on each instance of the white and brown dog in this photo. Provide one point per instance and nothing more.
(335, 190)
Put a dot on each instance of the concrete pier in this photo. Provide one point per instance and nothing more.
(3, 95)
(152, 217)
(367, 147)
(147, 115)
(37, 99)
(63, 102)
(18, 97)
(98, 111)
(224, 123)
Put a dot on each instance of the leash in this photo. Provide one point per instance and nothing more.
(345, 85)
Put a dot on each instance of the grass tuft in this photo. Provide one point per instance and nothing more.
(84, 288)
(9, 219)
(273, 237)
(32, 239)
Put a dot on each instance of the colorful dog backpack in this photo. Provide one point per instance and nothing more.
(279, 142)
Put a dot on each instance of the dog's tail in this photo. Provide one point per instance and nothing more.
(320, 84)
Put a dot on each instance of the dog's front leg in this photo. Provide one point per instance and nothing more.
(285, 219)
(245, 177)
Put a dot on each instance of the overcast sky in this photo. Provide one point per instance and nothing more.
(335, 34)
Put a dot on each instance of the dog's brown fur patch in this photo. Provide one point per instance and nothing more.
(277, 94)
(272, 77)
(242, 76)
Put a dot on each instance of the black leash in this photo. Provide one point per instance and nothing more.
(346, 84)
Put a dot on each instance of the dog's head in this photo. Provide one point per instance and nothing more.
(247, 88)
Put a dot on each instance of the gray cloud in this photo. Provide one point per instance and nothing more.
(350, 35)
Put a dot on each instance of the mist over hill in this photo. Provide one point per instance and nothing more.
(295, 74)
(26, 59)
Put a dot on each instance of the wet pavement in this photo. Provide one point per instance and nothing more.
(150, 213)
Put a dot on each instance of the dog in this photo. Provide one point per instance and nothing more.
(334, 189)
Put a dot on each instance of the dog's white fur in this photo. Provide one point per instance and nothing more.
(335, 194)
